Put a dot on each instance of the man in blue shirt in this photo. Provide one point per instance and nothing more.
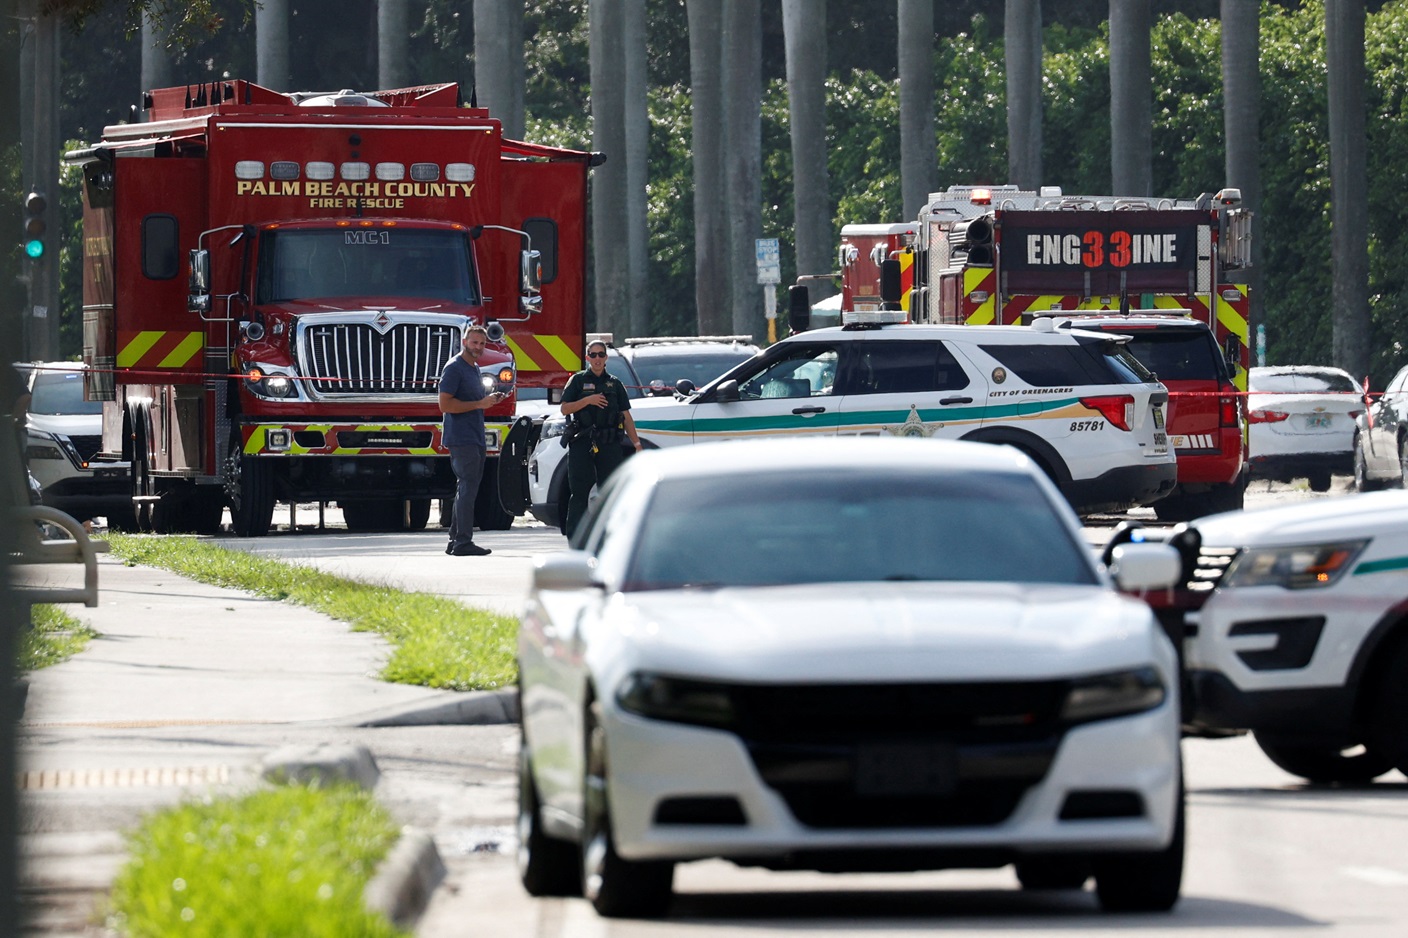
(463, 402)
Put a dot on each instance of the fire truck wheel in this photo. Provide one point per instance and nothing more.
(249, 488)
(489, 513)
(417, 514)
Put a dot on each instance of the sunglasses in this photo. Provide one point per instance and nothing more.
(596, 354)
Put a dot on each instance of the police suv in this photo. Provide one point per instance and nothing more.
(1078, 403)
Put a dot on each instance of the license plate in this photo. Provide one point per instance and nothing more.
(1317, 421)
(896, 769)
(1160, 443)
(1158, 418)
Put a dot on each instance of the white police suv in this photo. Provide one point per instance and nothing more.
(1084, 409)
(1298, 631)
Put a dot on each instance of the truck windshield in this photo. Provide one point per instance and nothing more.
(302, 264)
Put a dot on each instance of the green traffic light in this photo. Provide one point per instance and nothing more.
(34, 248)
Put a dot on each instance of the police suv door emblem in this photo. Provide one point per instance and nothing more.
(913, 426)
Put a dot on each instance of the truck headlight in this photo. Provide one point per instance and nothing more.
(269, 384)
(1116, 694)
(1308, 566)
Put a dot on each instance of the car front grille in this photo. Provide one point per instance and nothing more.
(87, 446)
(1210, 567)
(347, 359)
(910, 755)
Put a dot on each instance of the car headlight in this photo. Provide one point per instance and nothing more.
(42, 451)
(264, 383)
(552, 428)
(677, 700)
(1117, 694)
(1306, 567)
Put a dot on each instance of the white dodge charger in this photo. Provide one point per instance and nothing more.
(880, 654)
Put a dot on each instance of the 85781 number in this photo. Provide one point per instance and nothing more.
(1078, 426)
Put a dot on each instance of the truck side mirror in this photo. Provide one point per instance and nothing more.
(198, 286)
(530, 281)
(799, 308)
(890, 284)
(1232, 353)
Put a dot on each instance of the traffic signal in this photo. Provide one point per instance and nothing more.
(36, 224)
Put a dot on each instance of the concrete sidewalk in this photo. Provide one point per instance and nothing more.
(187, 690)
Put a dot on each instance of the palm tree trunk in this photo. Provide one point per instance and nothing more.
(610, 257)
(915, 19)
(1022, 45)
(393, 41)
(804, 26)
(1349, 188)
(498, 61)
(743, 158)
(711, 290)
(1131, 99)
(1241, 95)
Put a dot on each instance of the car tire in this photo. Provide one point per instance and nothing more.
(546, 866)
(1319, 481)
(1388, 734)
(1362, 482)
(1324, 765)
(1143, 882)
(616, 887)
(1053, 872)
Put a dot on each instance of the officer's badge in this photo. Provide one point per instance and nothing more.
(913, 426)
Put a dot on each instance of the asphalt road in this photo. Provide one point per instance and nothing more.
(1267, 854)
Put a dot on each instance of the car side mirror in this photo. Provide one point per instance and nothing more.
(1136, 567)
(726, 392)
(684, 387)
(565, 570)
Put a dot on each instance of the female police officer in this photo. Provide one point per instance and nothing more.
(598, 405)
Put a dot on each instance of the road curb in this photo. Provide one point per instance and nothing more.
(405, 880)
(472, 708)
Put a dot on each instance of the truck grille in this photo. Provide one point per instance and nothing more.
(346, 359)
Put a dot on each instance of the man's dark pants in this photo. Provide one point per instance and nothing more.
(468, 463)
(585, 469)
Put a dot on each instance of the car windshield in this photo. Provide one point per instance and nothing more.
(1177, 354)
(699, 366)
(891, 525)
(1302, 382)
(61, 392)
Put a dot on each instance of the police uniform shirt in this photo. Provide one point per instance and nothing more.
(585, 383)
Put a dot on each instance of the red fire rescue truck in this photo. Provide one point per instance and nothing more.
(273, 283)
(984, 255)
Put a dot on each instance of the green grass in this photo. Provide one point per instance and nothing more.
(291, 861)
(436, 642)
(53, 636)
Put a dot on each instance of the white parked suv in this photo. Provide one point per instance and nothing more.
(1297, 630)
(65, 436)
(1084, 409)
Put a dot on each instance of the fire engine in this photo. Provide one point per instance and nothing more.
(1004, 255)
(273, 283)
